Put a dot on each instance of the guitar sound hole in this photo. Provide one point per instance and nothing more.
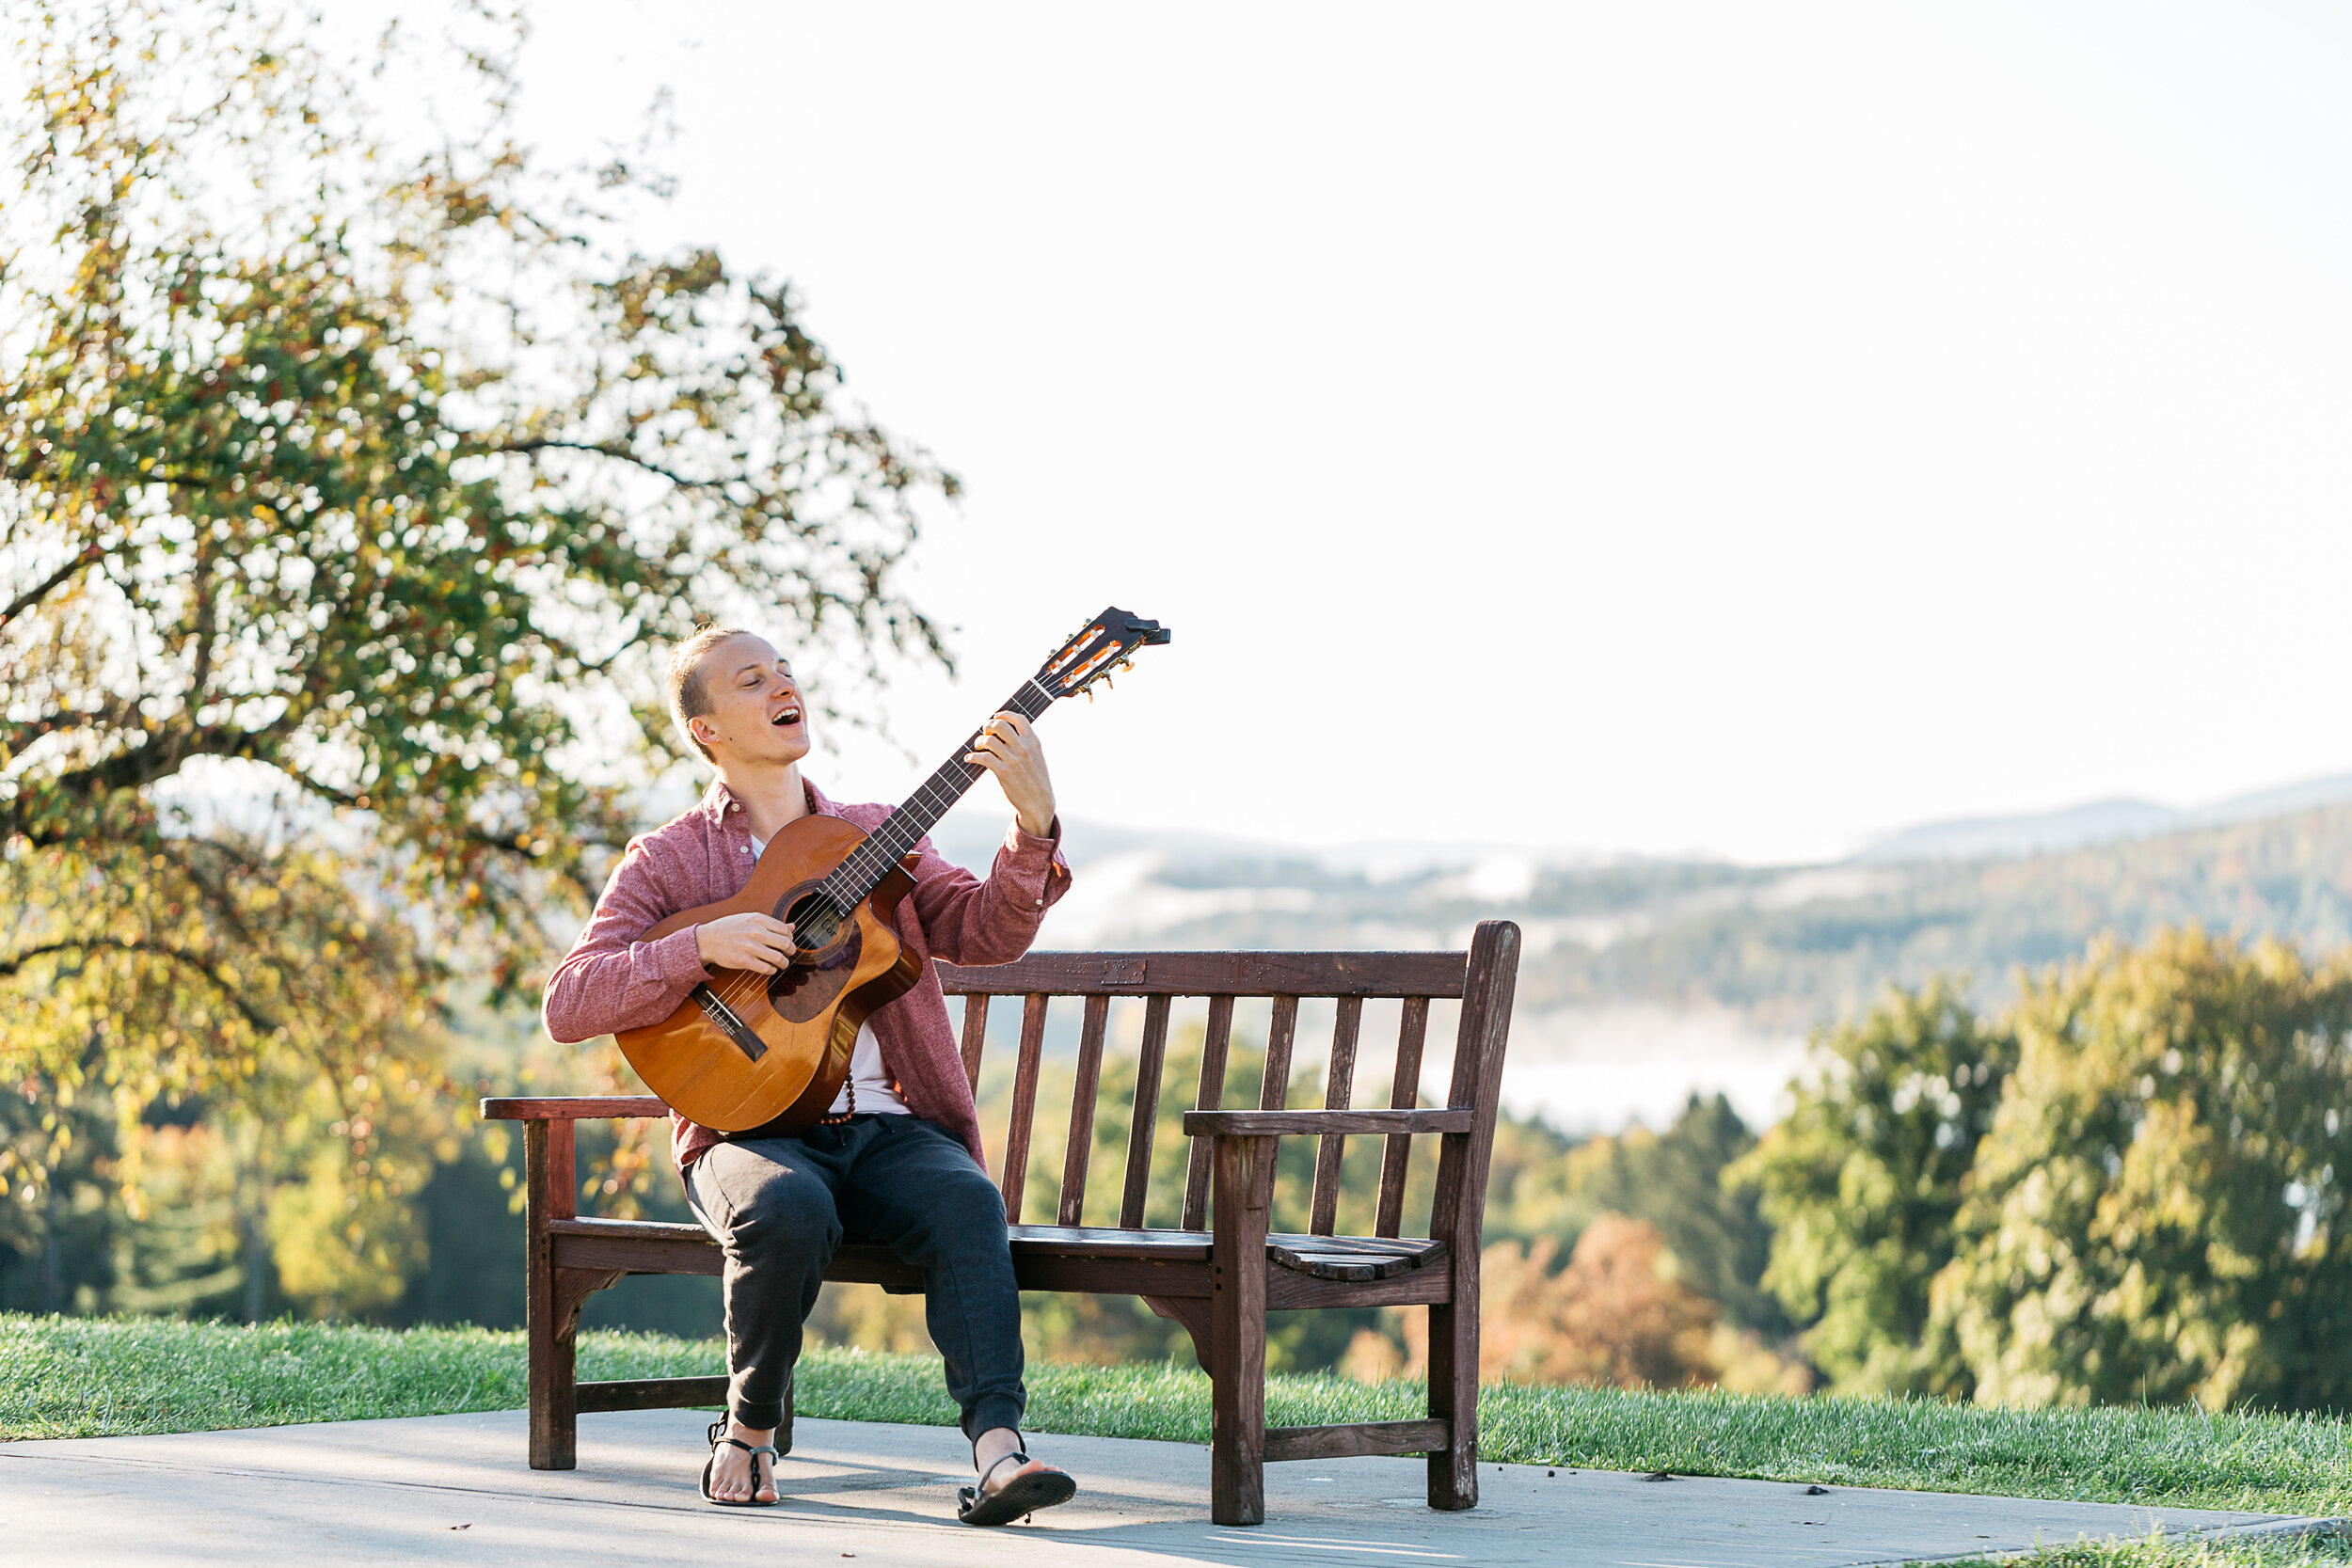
(815, 923)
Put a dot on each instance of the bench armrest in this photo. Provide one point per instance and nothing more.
(573, 1107)
(1263, 1124)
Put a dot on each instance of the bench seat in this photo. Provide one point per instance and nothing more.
(663, 1246)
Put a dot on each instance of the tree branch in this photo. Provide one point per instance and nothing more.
(15, 737)
(166, 749)
(336, 793)
(513, 843)
(40, 591)
(600, 449)
(262, 1024)
(203, 607)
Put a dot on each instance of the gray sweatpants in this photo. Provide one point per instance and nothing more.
(779, 1207)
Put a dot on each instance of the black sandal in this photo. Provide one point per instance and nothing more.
(1022, 1495)
(718, 1435)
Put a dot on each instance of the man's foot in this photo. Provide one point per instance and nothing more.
(742, 1468)
(1011, 1483)
(995, 1481)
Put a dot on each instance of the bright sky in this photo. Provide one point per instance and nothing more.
(1631, 426)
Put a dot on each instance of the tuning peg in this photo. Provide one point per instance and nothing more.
(1089, 691)
(1126, 664)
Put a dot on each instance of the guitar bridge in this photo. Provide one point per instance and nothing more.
(714, 1007)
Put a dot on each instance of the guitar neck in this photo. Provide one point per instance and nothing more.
(868, 864)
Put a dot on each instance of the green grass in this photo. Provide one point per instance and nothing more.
(81, 1377)
(2159, 1552)
(102, 1377)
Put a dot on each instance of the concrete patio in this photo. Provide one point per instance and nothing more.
(453, 1489)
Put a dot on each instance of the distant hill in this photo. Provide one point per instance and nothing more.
(1784, 946)
(2095, 822)
(1801, 947)
(1982, 837)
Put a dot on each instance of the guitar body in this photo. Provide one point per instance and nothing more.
(775, 1048)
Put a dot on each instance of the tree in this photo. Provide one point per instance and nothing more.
(1862, 1180)
(1675, 1180)
(2157, 1213)
(1615, 1315)
(348, 490)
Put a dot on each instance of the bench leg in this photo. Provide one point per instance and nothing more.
(1453, 1393)
(554, 1398)
(1237, 1332)
(547, 1326)
(561, 1402)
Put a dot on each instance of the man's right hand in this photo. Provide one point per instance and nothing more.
(758, 942)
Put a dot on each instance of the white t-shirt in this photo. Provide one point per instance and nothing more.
(872, 1080)
(866, 1073)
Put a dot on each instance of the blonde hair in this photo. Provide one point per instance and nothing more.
(689, 692)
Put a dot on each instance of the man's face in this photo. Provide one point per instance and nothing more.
(752, 711)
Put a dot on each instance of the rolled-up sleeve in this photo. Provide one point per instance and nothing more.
(991, 920)
(611, 980)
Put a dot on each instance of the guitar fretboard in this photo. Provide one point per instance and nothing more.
(871, 861)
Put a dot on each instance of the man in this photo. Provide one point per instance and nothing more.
(900, 1160)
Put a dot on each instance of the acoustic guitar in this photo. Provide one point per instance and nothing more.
(770, 1052)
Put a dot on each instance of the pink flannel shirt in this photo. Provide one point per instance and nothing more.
(611, 980)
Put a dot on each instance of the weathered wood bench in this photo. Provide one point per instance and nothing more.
(1219, 1282)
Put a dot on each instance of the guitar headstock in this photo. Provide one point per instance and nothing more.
(1100, 646)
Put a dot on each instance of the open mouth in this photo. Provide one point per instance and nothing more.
(789, 717)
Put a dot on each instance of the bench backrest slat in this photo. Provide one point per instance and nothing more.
(1016, 1174)
(974, 1036)
(1079, 1151)
(1144, 1121)
(1339, 1088)
(1404, 1095)
(1274, 1084)
(1481, 979)
(1210, 1098)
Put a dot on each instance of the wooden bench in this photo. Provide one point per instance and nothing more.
(1221, 1274)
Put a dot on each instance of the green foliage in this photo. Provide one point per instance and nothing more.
(1676, 1180)
(276, 462)
(1863, 1181)
(244, 1024)
(2156, 1213)
(348, 492)
(2127, 1190)
(57, 1239)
